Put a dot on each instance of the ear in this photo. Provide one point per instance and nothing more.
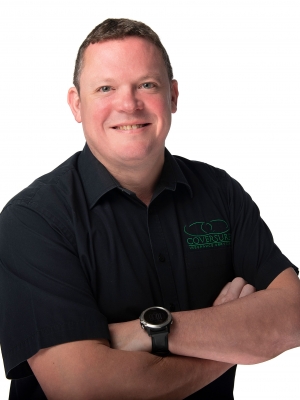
(174, 95)
(74, 103)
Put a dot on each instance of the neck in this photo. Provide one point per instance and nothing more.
(139, 177)
(140, 180)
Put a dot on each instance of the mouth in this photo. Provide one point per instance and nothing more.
(130, 127)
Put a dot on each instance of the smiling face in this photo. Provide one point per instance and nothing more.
(125, 102)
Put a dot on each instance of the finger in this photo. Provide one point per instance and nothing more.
(225, 289)
(233, 290)
(247, 289)
(236, 288)
(222, 294)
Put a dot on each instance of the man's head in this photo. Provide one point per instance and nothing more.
(121, 28)
(127, 95)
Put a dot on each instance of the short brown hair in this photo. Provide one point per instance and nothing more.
(119, 29)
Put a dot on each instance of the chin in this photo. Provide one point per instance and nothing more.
(141, 153)
(138, 150)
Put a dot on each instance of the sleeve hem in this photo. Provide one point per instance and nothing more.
(271, 269)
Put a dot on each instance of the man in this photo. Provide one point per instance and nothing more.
(123, 227)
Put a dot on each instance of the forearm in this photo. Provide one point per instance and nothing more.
(243, 327)
(90, 370)
(168, 378)
(244, 331)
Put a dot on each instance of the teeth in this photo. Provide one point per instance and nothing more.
(128, 127)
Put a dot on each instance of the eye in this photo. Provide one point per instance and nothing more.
(104, 89)
(148, 85)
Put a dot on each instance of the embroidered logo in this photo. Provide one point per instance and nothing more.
(214, 233)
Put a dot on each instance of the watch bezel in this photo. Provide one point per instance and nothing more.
(146, 324)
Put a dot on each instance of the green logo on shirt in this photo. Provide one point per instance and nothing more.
(214, 233)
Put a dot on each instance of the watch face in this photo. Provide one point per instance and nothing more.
(156, 316)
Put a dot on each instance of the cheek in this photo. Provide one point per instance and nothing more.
(162, 109)
(165, 113)
(96, 114)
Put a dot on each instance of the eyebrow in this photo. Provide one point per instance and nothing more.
(151, 76)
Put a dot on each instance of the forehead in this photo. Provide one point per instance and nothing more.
(123, 56)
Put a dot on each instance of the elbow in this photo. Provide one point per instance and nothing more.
(286, 337)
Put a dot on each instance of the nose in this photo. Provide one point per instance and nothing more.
(129, 101)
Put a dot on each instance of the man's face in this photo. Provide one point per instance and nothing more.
(126, 101)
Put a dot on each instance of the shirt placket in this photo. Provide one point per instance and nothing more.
(162, 261)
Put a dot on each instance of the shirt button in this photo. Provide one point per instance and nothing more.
(161, 257)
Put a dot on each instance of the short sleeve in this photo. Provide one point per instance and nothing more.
(45, 296)
(256, 257)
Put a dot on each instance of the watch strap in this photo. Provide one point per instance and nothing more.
(160, 344)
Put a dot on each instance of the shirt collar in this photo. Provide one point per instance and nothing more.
(171, 175)
(97, 181)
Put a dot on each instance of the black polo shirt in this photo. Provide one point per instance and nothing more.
(78, 251)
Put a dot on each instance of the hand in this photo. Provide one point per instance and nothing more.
(234, 290)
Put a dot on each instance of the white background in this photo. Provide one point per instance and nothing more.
(237, 63)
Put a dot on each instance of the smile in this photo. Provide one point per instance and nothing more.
(129, 127)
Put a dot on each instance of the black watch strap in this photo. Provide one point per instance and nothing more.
(160, 342)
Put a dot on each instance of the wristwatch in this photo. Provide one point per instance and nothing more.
(156, 321)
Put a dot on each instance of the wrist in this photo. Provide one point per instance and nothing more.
(145, 342)
(129, 336)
